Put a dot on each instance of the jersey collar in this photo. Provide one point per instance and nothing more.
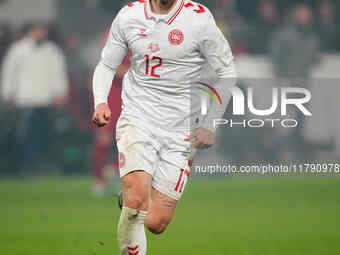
(168, 18)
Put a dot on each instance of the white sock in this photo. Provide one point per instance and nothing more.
(131, 232)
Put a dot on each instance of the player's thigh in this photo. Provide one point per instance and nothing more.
(137, 190)
(168, 185)
(136, 148)
(137, 156)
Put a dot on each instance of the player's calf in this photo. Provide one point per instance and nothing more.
(131, 234)
(161, 211)
(157, 224)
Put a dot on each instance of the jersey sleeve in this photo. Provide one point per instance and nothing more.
(216, 49)
(115, 47)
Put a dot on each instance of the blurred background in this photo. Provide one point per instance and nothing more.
(49, 48)
(53, 160)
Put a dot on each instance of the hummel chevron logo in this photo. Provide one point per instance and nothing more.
(133, 250)
(154, 47)
(142, 32)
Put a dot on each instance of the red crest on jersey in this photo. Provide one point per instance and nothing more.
(176, 37)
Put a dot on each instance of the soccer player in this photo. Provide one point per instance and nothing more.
(170, 42)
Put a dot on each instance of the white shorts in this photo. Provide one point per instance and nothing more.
(162, 154)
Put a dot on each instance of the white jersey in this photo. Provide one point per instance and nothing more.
(168, 55)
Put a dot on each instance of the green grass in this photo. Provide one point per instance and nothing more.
(243, 216)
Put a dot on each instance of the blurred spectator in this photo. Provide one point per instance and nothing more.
(55, 36)
(79, 83)
(5, 39)
(266, 24)
(327, 25)
(33, 80)
(232, 25)
(295, 48)
(227, 10)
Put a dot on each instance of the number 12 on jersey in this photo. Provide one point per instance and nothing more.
(158, 63)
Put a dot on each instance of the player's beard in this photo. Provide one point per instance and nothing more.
(167, 3)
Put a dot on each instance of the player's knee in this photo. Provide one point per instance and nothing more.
(157, 229)
(135, 195)
(157, 226)
(136, 201)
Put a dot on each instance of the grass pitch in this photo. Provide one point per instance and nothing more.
(243, 216)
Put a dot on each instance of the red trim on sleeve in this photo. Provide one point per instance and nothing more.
(189, 5)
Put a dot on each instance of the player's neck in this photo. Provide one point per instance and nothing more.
(162, 6)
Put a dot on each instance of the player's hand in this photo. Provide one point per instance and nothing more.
(102, 115)
(202, 138)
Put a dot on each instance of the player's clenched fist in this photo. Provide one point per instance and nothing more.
(202, 138)
(102, 115)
